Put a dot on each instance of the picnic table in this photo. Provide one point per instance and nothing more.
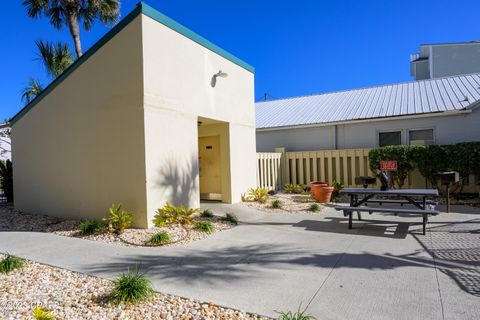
(418, 201)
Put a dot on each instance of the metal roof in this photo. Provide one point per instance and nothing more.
(393, 100)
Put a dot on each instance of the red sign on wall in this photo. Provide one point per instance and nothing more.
(388, 165)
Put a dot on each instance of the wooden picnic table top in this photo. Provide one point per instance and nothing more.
(392, 192)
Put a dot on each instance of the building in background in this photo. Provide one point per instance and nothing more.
(441, 111)
(5, 143)
(445, 59)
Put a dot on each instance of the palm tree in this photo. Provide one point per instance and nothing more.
(70, 12)
(56, 57)
(33, 89)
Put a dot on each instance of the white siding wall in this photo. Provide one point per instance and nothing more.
(447, 130)
(301, 139)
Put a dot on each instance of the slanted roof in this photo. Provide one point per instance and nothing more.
(448, 94)
(141, 8)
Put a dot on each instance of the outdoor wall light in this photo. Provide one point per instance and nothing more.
(216, 75)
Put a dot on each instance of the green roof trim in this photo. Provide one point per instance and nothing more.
(150, 12)
(172, 24)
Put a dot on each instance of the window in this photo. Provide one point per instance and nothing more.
(391, 138)
(421, 137)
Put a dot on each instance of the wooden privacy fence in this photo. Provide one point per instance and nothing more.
(269, 170)
(276, 169)
(327, 165)
(279, 168)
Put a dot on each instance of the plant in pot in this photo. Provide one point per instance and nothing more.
(315, 188)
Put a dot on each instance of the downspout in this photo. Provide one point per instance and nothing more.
(335, 137)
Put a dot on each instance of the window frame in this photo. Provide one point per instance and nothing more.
(378, 132)
(419, 129)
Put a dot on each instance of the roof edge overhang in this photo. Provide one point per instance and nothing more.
(355, 121)
(141, 8)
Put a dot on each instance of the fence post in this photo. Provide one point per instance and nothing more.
(283, 166)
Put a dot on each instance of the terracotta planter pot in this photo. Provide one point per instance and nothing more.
(324, 194)
(315, 187)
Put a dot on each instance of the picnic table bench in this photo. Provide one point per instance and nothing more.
(361, 197)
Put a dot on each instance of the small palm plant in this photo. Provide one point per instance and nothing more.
(314, 207)
(171, 214)
(277, 204)
(41, 314)
(206, 214)
(260, 195)
(131, 287)
(10, 263)
(204, 226)
(118, 219)
(89, 227)
(299, 315)
(159, 238)
(230, 217)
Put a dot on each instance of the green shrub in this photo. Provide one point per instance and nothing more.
(400, 153)
(206, 214)
(118, 220)
(337, 186)
(10, 263)
(159, 238)
(131, 287)
(230, 217)
(89, 227)
(40, 314)
(258, 194)
(299, 315)
(6, 179)
(292, 188)
(171, 214)
(277, 204)
(204, 226)
(429, 159)
(314, 207)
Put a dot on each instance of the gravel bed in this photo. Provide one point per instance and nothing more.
(14, 220)
(71, 295)
(291, 203)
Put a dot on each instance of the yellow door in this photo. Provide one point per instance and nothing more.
(209, 162)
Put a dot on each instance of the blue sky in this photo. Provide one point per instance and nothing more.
(297, 47)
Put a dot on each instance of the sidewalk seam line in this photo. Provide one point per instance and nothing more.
(333, 268)
(436, 275)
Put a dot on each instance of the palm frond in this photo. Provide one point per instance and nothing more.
(33, 89)
(56, 57)
(107, 11)
(35, 8)
(57, 16)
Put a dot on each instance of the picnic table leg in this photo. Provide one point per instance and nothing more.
(350, 218)
(424, 223)
(359, 216)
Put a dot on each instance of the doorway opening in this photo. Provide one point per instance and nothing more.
(213, 160)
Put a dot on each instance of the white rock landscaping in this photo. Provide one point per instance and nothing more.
(14, 220)
(71, 295)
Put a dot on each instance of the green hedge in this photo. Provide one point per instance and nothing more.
(461, 157)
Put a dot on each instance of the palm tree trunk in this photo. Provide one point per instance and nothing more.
(75, 32)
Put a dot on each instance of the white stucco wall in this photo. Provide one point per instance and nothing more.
(81, 148)
(447, 130)
(177, 90)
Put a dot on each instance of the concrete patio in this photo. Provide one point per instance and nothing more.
(382, 269)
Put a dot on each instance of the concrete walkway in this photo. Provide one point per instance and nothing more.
(382, 269)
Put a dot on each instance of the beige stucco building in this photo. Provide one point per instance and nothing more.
(151, 113)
